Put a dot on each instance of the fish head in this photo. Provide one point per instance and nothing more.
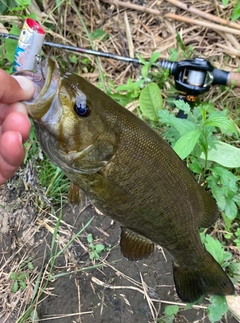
(71, 122)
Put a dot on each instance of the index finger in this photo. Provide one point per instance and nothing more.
(14, 89)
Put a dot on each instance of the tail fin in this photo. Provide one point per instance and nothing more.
(206, 278)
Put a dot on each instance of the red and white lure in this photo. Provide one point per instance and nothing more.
(29, 45)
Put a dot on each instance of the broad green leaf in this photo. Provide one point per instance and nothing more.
(227, 126)
(231, 209)
(215, 248)
(181, 125)
(151, 101)
(224, 154)
(218, 307)
(187, 142)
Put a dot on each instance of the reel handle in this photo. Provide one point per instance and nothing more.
(234, 79)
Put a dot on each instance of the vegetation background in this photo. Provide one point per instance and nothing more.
(56, 264)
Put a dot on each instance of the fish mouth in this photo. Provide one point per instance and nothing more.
(46, 78)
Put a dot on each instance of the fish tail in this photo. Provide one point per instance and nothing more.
(206, 278)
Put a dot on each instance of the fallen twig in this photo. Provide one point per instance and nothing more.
(133, 6)
(175, 17)
(202, 23)
(204, 14)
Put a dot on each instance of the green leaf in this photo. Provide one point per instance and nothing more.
(89, 238)
(11, 44)
(173, 55)
(23, 3)
(14, 276)
(224, 154)
(182, 105)
(6, 5)
(171, 310)
(92, 255)
(141, 59)
(144, 71)
(236, 12)
(181, 125)
(234, 269)
(15, 287)
(154, 57)
(99, 33)
(30, 266)
(225, 2)
(195, 165)
(231, 209)
(22, 284)
(218, 307)
(99, 248)
(180, 42)
(215, 248)
(226, 126)
(187, 142)
(151, 101)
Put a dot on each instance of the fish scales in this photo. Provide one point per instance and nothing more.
(131, 174)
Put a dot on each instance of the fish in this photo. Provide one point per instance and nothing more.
(130, 173)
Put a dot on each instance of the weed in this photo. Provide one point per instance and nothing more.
(94, 249)
(236, 9)
(20, 278)
(170, 311)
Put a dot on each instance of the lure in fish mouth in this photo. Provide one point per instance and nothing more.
(52, 121)
(130, 173)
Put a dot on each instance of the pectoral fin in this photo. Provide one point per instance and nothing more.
(75, 195)
(134, 246)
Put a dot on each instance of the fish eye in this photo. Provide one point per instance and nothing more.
(81, 107)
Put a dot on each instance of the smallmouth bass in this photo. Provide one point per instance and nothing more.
(129, 173)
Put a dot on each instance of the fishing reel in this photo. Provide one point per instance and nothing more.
(195, 76)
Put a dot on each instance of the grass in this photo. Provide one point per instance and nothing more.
(128, 84)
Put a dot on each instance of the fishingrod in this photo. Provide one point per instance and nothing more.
(82, 50)
(192, 76)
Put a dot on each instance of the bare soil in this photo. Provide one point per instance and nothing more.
(117, 291)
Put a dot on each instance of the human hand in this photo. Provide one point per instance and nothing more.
(14, 123)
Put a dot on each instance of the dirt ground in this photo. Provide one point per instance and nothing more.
(117, 291)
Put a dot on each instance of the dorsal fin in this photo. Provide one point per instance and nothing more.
(210, 211)
(135, 247)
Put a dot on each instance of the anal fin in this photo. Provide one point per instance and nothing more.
(135, 247)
